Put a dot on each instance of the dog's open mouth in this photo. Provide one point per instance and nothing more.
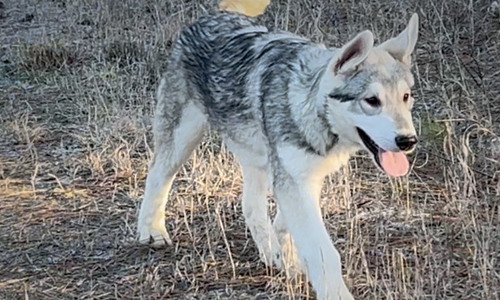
(393, 163)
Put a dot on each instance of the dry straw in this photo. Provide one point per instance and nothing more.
(77, 85)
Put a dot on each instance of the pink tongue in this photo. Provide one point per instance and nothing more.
(394, 163)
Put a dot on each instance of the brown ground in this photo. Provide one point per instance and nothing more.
(77, 85)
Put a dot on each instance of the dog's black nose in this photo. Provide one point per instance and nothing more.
(406, 143)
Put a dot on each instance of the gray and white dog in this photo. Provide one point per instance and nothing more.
(291, 111)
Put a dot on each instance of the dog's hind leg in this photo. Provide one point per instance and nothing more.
(255, 187)
(253, 161)
(291, 262)
(178, 129)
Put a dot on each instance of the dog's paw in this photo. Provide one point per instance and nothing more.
(271, 255)
(341, 293)
(157, 237)
(344, 293)
(337, 296)
(291, 263)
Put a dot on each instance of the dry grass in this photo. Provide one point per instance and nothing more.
(77, 85)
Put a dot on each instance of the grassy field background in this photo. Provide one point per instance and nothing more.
(77, 86)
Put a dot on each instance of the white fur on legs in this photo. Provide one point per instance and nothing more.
(251, 150)
(152, 212)
(255, 186)
(313, 244)
(291, 263)
(172, 150)
(297, 187)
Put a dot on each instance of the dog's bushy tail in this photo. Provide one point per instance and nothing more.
(249, 8)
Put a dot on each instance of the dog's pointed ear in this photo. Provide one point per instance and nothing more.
(403, 45)
(353, 53)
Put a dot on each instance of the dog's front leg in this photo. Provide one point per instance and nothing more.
(314, 247)
(297, 185)
(291, 262)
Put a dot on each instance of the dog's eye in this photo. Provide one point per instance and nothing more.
(373, 101)
(406, 97)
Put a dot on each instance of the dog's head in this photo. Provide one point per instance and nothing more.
(369, 98)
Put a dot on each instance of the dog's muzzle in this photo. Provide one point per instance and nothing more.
(394, 163)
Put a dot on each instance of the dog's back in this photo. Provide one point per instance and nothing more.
(217, 53)
(237, 72)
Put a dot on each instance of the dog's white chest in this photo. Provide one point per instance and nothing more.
(334, 162)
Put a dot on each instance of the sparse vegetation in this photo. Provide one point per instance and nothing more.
(44, 57)
(77, 86)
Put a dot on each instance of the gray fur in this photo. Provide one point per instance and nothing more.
(290, 111)
(239, 73)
